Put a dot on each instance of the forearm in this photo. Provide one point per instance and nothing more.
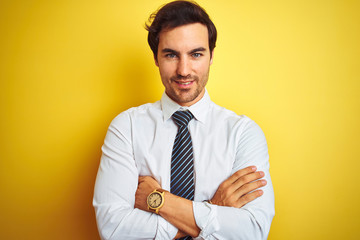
(116, 222)
(118, 219)
(179, 212)
(252, 221)
(115, 213)
(218, 222)
(115, 187)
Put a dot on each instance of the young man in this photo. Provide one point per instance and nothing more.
(183, 166)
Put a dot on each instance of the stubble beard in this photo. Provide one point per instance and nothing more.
(183, 96)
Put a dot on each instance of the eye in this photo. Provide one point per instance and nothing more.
(170, 55)
(196, 55)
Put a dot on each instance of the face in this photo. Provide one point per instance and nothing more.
(184, 61)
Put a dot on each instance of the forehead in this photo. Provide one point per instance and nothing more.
(185, 37)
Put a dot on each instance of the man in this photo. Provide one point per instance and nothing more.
(183, 167)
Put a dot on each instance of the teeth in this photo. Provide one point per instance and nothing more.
(187, 83)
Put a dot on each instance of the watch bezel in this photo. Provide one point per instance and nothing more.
(161, 193)
(150, 203)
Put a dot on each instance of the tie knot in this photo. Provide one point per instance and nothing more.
(182, 118)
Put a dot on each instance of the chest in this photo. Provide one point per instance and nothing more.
(214, 152)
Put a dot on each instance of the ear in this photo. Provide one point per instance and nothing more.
(212, 56)
(156, 62)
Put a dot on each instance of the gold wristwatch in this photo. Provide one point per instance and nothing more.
(155, 200)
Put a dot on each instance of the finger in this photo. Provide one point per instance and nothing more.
(145, 178)
(149, 182)
(247, 179)
(249, 187)
(238, 174)
(249, 197)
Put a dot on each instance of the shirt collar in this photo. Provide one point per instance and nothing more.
(199, 109)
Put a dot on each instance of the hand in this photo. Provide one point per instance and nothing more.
(180, 234)
(176, 210)
(235, 191)
(146, 185)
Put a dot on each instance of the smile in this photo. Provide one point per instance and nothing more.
(184, 84)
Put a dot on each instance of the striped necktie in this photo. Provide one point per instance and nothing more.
(182, 170)
(182, 166)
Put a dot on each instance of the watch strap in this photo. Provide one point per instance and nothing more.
(160, 190)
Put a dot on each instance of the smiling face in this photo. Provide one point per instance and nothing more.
(184, 60)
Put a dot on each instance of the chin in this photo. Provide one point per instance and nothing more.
(186, 99)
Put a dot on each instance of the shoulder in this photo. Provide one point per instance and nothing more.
(240, 125)
(130, 115)
(229, 117)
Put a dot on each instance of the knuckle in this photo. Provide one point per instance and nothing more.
(227, 192)
(246, 198)
(238, 174)
(247, 178)
(232, 202)
(247, 190)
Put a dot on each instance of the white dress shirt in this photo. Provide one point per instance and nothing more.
(139, 142)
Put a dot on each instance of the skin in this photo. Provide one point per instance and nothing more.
(184, 61)
(233, 192)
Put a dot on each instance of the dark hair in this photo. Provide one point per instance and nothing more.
(175, 14)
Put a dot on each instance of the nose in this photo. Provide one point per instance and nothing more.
(184, 67)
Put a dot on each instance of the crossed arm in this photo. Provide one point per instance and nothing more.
(238, 190)
(237, 212)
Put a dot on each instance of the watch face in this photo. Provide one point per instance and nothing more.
(155, 200)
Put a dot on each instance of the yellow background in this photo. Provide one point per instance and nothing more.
(67, 68)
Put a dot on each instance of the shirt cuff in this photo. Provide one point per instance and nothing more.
(206, 219)
(165, 230)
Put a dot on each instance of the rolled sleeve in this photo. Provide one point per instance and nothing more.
(206, 219)
(165, 230)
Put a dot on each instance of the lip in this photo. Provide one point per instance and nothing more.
(184, 84)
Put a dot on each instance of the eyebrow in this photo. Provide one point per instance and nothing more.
(169, 50)
(200, 49)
